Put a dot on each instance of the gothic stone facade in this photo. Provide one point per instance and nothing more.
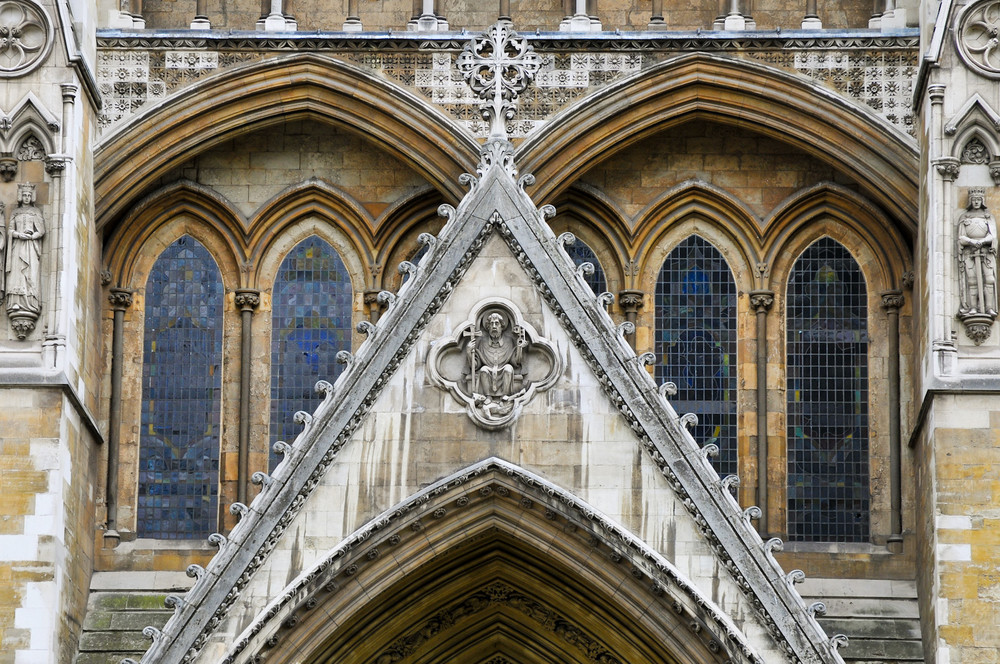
(788, 207)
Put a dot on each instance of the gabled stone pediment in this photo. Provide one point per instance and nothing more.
(496, 222)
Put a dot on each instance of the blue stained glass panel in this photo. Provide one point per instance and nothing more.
(581, 253)
(181, 394)
(311, 322)
(827, 373)
(696, 342)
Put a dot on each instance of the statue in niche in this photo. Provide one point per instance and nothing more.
(977, 248)
(24, 262)
(493, 363)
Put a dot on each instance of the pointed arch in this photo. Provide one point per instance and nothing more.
(490, 551)
(30, 117)
(158, 219)
(696, 206)
(246, 99)
(600, 225)
(398, 229)
(830, 209)
(777, 104)
(313, 199)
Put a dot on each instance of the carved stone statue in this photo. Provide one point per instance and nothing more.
(24, 262)
(495, 351)
(977, 247)
(494, 363)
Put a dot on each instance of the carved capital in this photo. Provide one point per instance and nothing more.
(247, 299)
(22, 322)
(631, 300)
(120, 299)
(892, 300)
(8, 168)
(908, 278)
(761, 300)
(371, 298)
(55, 164)
(995, 171)
(948, 168)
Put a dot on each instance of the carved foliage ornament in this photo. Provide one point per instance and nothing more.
(494, 363)
(24, 37)
(978, 37)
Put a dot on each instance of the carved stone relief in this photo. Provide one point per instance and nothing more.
(25, 37)
(977, 37)
(975, 152)
(494, 363)
(977, 253)
(31, 149)
(21, 257)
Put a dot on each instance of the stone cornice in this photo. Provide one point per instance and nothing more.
(550, 41)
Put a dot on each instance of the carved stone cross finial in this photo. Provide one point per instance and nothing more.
(498, 66)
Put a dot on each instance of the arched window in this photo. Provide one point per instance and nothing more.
(581, 253)
(696, 342)
(181, 394)
(827, 370)
(311, 322)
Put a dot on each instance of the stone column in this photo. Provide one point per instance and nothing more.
(504, 14)
(631, 301)
(120, 300)
(577, 17)
(595, 22)
(656, 21)
(878, 8)
(761, 301)
(247, 300)
(429, 20)
(353, 22)
(201, 21)
(892, 301)
(734, 17)
(811, 20)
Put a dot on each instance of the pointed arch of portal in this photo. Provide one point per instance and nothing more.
(492, 561)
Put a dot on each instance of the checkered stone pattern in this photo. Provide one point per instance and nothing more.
(881, 80)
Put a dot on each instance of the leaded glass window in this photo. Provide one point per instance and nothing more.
(181, 394)
(696, 342)
(581, 253)
(311, 321)
(827, 370)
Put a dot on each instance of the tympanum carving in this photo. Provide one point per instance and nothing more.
(977, 272)
(494, 363)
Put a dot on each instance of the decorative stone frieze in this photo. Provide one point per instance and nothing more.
(494, 363)
(977, 272)
(25, 37)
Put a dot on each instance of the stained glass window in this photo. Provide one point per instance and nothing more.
(827, 371)
(581, 253)
(181, 390)
(696, 342)
(311, 322)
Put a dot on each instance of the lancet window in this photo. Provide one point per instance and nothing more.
(178, 479)
(695, 342)
(311, 322)
(827, 393)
